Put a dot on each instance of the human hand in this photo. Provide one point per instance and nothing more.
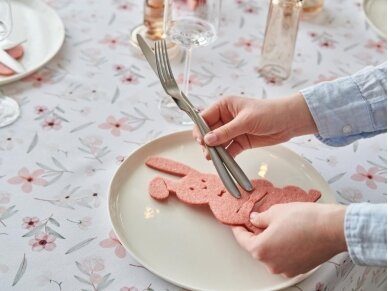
(240, 123)
(296, 237)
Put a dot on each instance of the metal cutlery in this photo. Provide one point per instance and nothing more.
(10, 62)
(224, 163)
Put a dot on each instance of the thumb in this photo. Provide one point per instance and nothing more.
(225, 133)
(261, 220)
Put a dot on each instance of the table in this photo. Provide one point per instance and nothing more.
(55, 232)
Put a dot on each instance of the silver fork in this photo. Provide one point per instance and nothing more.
(220, 157)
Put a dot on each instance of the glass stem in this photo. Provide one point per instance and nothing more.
(186, 74)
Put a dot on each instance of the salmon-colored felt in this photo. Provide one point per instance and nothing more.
(197, 188)
(16, 52)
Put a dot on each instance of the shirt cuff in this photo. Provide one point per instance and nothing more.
(349, 108)
(366, 233)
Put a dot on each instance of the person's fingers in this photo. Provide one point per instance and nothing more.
(235, 148)
(197, 135)
(261, 220)
(221, 111)
(244, 237)
(206, 153)
(225, 133)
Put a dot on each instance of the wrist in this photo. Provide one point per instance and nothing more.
(333, 220)
(299, 118)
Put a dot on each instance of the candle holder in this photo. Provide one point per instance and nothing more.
(152, 28)
(312, 7)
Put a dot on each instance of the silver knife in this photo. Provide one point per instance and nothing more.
(10, 62)
(229, 162)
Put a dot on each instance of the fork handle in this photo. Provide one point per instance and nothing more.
(227, 159)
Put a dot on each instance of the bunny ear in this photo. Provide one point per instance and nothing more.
(169, 166)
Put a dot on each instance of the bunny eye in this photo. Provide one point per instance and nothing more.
(204, 187)
(221, 193)
(191, 188)
(203, 180)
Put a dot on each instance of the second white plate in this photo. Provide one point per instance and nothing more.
(43, 30)
(376, 14)
(186, 245)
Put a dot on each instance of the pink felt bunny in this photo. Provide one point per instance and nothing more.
(200, 189)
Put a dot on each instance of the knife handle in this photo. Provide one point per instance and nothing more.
(229, 162)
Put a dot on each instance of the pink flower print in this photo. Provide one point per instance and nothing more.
(313, 34)
(43, 241)
(120, 159)
(51, 123)
(125, 6)
(272, 80)
(85, 222)
(118, 68)
(4, 197)
(369, 176)
(247, 44)
(93, 142)
(92, 195)
(380, 46)
(8, 141)
(39, 78)
(30, 222)
(332, 161)
(327, 43)
(91, 265)
(90, 171)
(130, 79)
(111, 41)
(113, 242)
(319, 287)
(129, 289)
(40, 109)
(115, 125)
(352, 194)
(250, 10)
(193, 80)
(27, 179)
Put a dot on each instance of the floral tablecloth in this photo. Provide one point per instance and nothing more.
(98, 100)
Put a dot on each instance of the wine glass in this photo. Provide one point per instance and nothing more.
(191, 23)
(9, 108)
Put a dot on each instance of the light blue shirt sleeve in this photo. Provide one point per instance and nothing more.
(345, 110)
(350, 108)
(366, 233)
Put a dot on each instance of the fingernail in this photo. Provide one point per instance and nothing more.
(252, 216)
(210, 138)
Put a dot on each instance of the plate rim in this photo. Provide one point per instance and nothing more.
(370, 22)
(49, 57)
(279, 286)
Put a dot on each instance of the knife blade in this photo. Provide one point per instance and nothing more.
(148, 53)
(10, 62)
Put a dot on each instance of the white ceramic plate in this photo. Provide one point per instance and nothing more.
(376, 14)
(186, 245)
(43, 30)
